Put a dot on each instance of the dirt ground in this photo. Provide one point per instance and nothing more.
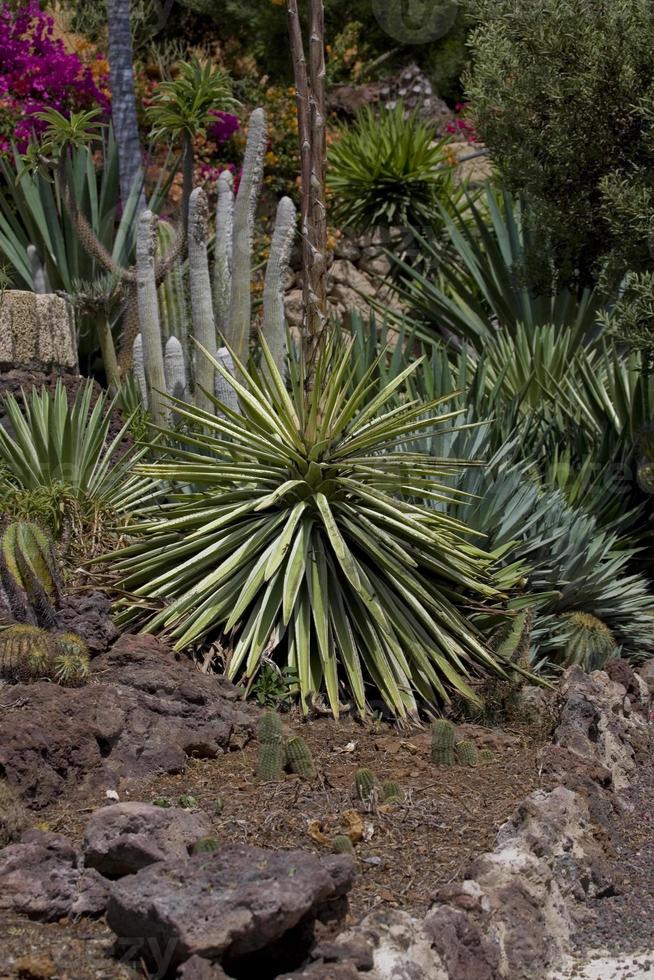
(406, 849)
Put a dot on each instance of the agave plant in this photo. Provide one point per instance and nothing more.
(68, 450)
(305, 529)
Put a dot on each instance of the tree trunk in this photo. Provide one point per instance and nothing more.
(123, 102)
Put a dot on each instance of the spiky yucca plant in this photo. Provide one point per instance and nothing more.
(306, 528)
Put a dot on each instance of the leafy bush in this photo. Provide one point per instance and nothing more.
(562, 96)
(387, 169)
(306, 529)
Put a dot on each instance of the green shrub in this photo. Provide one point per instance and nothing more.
(561, 94)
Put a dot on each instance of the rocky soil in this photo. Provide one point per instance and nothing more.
(514, 869)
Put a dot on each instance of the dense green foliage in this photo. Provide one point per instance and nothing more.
(562, 95)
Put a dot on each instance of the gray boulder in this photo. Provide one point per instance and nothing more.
(122, 839)
(42, 877)
(231, 904)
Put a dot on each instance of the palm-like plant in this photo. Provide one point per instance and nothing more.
(181, 107)
(306, 528)
(388, 170)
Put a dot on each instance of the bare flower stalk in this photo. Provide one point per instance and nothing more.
(310, 89)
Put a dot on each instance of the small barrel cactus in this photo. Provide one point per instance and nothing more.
(442, 742)
(270, 727)
(392, 792)
(25, 653)
(466, 753)
(299, 759)
(342, 844)
(365, 784)
(71, 661)
(590, 641)
(486, 755)
(205, 845)
(270, 761)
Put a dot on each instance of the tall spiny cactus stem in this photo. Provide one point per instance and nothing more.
(204, 327)
(223, 391)
(148, 307)
(172, 296)
(40, 281)
(238, 333)
(174, 369)
(274, 319)
(138, 368)
(222, 268)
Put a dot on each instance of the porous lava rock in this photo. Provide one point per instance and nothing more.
(144, 712)
(42, 877)
(123, 838)
(237, 905)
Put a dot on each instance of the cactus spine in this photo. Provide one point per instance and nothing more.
(204, 328)
(590, 641)
(28, 573)
(24, 653)
(342, 844)
(270, 761)
(237, 333)
(299, 759)
(486, 755)
(442, 743)
(70, 664)
(364, 781)
(270, 728)
(274, 317)
(466, 753)
(392, 792)
(222, 270)
(148, 307)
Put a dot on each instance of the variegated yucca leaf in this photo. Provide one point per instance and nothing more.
(302, 527)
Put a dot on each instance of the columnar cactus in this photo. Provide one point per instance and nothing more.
(222, 274)
(204, 327)
(298, 758)
(173, 312)
(364, 781)
(274, 317)
(237, 331)
(392, 792)
(270, 761)
(28, 573)
(270, 728)
(342, 844)
(442, 742)
(148, 306)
